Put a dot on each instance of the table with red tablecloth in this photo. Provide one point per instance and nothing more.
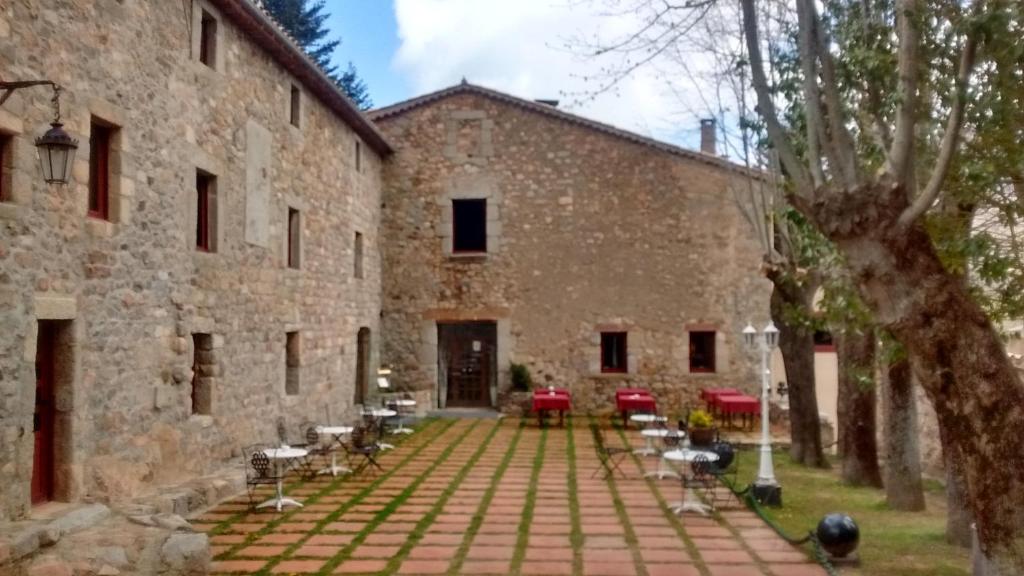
(545, 400)
(634, 400)
(710, 395)
(746, 406)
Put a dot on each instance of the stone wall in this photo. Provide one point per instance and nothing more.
(586, 232)
(131, 291)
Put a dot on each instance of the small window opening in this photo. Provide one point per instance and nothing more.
(292, 362)
(294, 238)
(296, 110)
(206, 221)
(203, 371)
(208, 40)
(702, 351)
(469, 225)
(100, 135)
(613, 352)
(359, 156)
(5, 168)
(358, 255)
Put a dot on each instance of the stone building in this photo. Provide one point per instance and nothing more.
(212, 268)
(598, 258)
(240, 247)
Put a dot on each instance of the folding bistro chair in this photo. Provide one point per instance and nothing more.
(700, 477)
(363, 449)
(609, 456)
(259, 471)
(724, 470)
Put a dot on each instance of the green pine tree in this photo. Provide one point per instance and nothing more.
(304, 20)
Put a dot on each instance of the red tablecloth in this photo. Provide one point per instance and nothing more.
(635, 402)
(542, 400)
(710, 394)
(738, 404)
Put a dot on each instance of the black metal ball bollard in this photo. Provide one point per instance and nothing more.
(838, 534)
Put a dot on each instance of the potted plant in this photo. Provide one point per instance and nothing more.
(521, 379)
(700, 428)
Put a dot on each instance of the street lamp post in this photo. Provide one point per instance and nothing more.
(766, 487)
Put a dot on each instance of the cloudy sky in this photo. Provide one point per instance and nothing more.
(403, 48)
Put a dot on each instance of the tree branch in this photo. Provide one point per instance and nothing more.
(797, 171)
(903, 139)
(816, 136)
(950, 139)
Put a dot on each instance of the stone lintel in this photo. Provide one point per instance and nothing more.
(459, 315)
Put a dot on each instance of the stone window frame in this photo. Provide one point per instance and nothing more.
(295, 106)
(203, 6)
(713, 367)
(359, 255)
(484, 150)
(204, 380)
(202, 161)
(293, 362)
(593, 350)
(721, 353)
(121, 188)
(608, 338)
(471, 187)
(19, 165)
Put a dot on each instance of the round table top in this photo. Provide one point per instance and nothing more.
(688, 455)
(285, 452)
(336, 430)
(381, 413)
(648, 418)
(658, 432)
(403, 402)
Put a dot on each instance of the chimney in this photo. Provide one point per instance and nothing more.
(552, 103)
(707, 136)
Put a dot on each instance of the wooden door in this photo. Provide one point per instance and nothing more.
(468, 350)
(44, 418)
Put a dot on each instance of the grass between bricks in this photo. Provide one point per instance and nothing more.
(356, 499)
(381, 516)
(674, 520)
(523, 535)
(421, 428)
(576, 536)
(627, 526)
(485, 503)
(421, 527)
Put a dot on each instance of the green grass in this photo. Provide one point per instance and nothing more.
(891, 543)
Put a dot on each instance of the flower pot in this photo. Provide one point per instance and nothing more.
(701, 436)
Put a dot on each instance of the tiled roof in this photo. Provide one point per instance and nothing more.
(383, 114)
(257, 24)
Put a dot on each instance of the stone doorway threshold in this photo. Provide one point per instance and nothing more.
(482, 413)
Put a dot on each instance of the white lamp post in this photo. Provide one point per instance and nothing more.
(766, 487)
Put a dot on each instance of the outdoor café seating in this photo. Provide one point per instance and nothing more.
(551, 399)
(629, 400)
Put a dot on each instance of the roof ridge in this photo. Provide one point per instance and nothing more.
(398, 108)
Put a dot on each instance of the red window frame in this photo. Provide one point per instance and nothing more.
(708, 337)
(294, 230)
(208, 40)
(203, 183)
(99, 170)
(614, 353)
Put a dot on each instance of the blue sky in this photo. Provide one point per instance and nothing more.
(404, 48)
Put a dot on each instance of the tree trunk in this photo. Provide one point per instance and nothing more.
(953, 349)
(856, 411)
(958, 517)
(903, 487)
(796, 341)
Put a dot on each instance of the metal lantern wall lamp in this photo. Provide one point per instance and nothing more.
(56, 148)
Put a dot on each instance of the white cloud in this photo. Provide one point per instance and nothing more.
(519, 47)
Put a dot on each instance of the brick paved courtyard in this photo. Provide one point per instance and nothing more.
(495, 497)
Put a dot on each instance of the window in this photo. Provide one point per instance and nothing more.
(823, 341)
(702, 351)
(208, 40)
(613, 352)
(206, 211)
(469, 225)
(203, 371)
(292, 361)
(294, 238)
(5, 168)
(359, 156)
(359, 255)
(296, 109)
(100, 135)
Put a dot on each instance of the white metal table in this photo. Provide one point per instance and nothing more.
(337, 432)
(647, 420)
(690, 503)
(281, 457)
(662, 472)
(400, 406)
(381, 414)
